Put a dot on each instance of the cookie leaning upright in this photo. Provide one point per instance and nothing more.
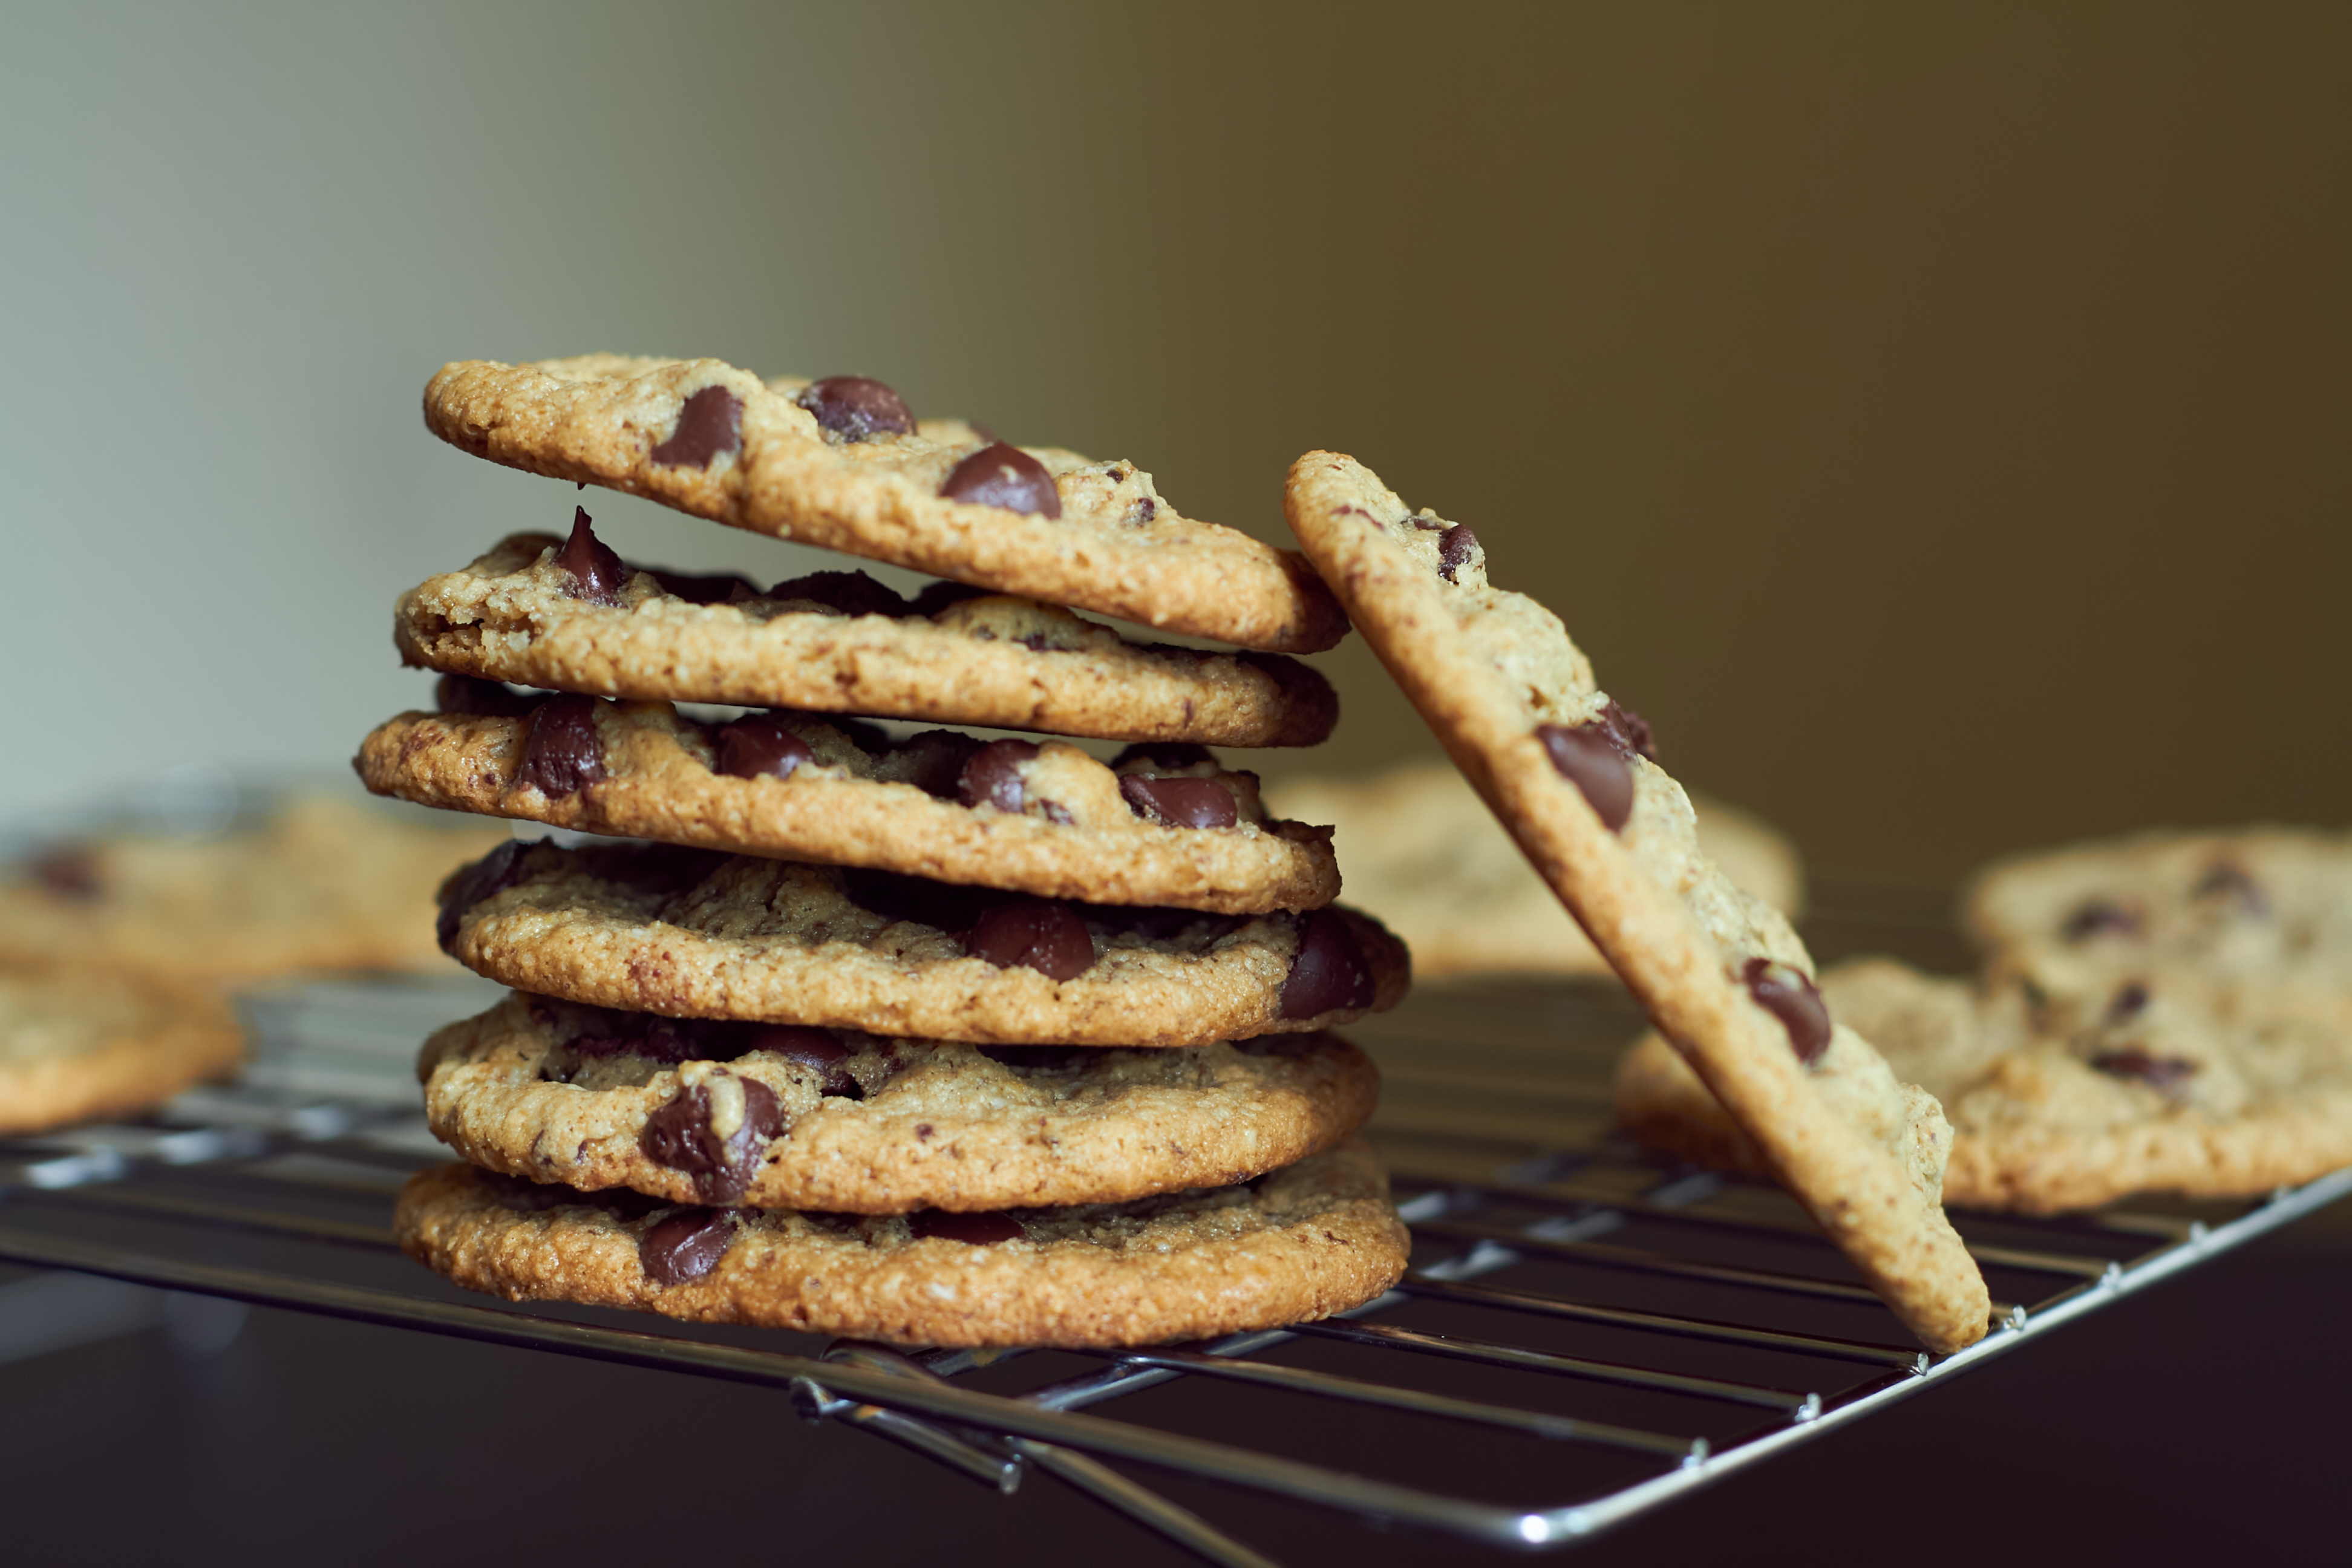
(1513, 703)
(856, 471)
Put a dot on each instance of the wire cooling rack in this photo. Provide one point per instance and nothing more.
(1585, 1334)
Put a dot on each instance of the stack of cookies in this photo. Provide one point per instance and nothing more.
(864, 1028)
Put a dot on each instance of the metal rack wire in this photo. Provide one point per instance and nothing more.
(1584, 1335)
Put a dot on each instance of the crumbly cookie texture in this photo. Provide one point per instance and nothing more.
(78, 1041)
(1056, 824)
(693, 935)
(321, 883)
(749, 454)
(1425, 856)
(867, 1124)
(1303, 1243)
(519, 615)
(2190, 1087)
(1515, 704)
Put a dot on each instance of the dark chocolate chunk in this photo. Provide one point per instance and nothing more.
(856, 408)
(68, 870)
(2129, 1000)
(991, 775)
(711, 588)
(469, 885)
(2157, 1072)
(1168, 754)
(933, 760)
(2228, 879)
(609, 1031)
(597, 574)
(490, 699)
(827, 1058)
(972, 1229)
(758, 745)
(684, 1246)
(1330, 972)
(679, 1135)
(1631, 729)
(1180, 802)
(563, 755)
(1006, 476)
(710, 423)
(1160, 925)
(1785, 992)
(2100, 916)
(1454, 548)
(851, 593)
(941, 905)
(1591, 757)
(1049, 938)
(938, 596)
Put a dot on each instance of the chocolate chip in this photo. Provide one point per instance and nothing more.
(815, 1049)
(490, 699)
(1592, 757)
(1180, 802)
(1785, 992)
(1454, 548)
(710, 423)
(2157, 1072)
(1006, 476)
(1156, 924)
(468, 885)
(1631, 729)
(851, 593)
(991, 775)
(685, 1246)
(679, 1135)
(2129, 1000)
(972, 1229)
(609, 1032)
(933, 760)
(2228, 879)
(2100, 916)
(940, 905)
(1043, 1059)
(597, 574)
(856, 408)
(563, 755)
(714, 588)
(69, 870)
(938, 596)
(1168, 755)
(758, 745)
(1330, 972)
(1049, 938)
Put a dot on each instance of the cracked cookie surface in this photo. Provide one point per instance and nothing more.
(1312, 1239)
(708, 438)
(862, 1123)
(690, 934)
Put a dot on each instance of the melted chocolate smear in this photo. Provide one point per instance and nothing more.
(684, 1246)
(1180, 802)
(710, 423)
(1168, 754)
(2228, 879)
(1454, 549)
(758, 745)
(2100, 916)
(716, 588)
(2129, 1000)
(972, 1229)
(856, 408)
(1592, 758)
(2157, 1072)
(851, 593)
(679, 1136)
(597, 574)
(938, 596)
(992, 777)
(1042, 1058)
(563, 755)
(941, 905)
(933, 760)
(1006, 476)
(490, 699)
(69, 870)
(500, 868)
(1785, 992)
(1632, 731)
(824, 1058)
(1031, 933)
(1330, 972)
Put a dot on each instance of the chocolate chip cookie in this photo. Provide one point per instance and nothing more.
(1315, 1239)
(689, 933)
(80, 1041)
(1160, 824)
(2180, 1086)
(1425, 856)
(1572, 775)
(697, 1112)
(320, 883)
(843, 464)
(570, 614)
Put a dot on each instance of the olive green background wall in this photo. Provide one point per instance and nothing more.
(1934, 418)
